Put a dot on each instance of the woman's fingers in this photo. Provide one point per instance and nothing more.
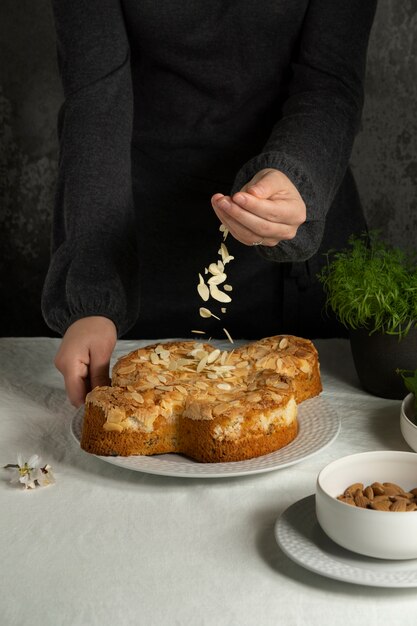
(248, 228)
(84, 355)
(76, 387)
(240, 232)
(277, 209)
(268, 208)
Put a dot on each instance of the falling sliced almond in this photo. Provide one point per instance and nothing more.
(224, 230)
(206, 313)
(228, 287)
(226, 332)
(214, 269)
(218, 295)
(217, 279)
(223, 251)
(199, 332)
(203, 290)
(223, 310)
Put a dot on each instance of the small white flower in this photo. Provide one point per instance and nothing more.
(30, 473)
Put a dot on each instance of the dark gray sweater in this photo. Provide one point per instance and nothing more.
(168, 102)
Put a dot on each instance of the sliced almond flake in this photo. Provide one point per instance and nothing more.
(152, 379)
(224, 368)
(218, 295)
(206, 313)
(142, 358)
(228, 259)
(228, 335)
(213, 356)
(275, 396)
(154, 358)
(224, 357)
(214, 269)
(159, 348)
(223, 310)
(212, 375)
(162, 378)
(242, 364)
(199, 332)
(181, 389)
(229, 354)
(201, 385)
(206, 270)
(165, 354)
(203, 290)
(164, 387)
(220, 266)
(202, 364)
(224, 230)
(224, 386)
(216, 280)
(137, 397)
(228, 287)
(201, 354)
(224, 397)
(182, 362)
(283, 343)
(223, 251)
(193, 353)
(127, 369)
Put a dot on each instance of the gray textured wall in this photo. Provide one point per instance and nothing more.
(384, 158)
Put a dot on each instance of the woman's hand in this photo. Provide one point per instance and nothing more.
(267, 210)
(84, 355)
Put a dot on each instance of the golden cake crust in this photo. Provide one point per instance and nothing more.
(195, 399)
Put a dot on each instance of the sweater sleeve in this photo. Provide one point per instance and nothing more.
(312, 141)
(93, 267)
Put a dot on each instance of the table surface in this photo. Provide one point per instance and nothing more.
(109, 546)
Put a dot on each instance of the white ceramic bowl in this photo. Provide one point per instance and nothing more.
(408, 427)
(381, 534)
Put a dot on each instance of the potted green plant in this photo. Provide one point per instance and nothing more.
(372, 288)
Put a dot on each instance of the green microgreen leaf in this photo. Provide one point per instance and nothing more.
(410, 382)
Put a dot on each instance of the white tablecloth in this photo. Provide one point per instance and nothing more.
(108, 546)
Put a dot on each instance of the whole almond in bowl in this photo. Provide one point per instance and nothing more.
(363, 522)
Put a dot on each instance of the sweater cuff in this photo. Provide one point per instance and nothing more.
(309, 235)
(92, 277)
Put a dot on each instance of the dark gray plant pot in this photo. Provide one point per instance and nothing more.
(377, 357)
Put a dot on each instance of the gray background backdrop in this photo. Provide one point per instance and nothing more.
(384, 157)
